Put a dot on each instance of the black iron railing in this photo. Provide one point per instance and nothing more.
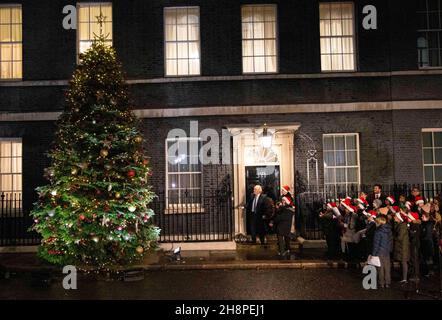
(194, 218)
(14, 223)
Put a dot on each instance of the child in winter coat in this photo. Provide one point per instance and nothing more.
(382, 247)
(282, 222)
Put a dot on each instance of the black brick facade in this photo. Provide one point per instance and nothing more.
(390, 141)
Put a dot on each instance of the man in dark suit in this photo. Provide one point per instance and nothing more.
(259, 211)
(376, 194)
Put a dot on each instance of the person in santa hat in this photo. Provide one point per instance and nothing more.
(401, 248)
(414, 235)
(282, 222)
(329, 219)
(369, 231)
(416, 199)
(348, 240)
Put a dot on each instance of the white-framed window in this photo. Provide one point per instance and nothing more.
(337, 34)
(432, 157)
(11, 42)
(94, 20)
(182, 41)
(429, 39)
(11, 171)
(341, 162)
(259, 38)
(183, 173)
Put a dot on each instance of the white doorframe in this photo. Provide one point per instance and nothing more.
(247, 136)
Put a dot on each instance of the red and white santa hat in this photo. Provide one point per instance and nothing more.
(413, 216)
(347, 204)
(395, 209)
(334, 207)
(362, 203)
(391, 199)
(286, 188)
(373, 213)
(419, 200)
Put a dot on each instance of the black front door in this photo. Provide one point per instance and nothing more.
(266, 176)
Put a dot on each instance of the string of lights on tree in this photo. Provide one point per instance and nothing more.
(94, 210)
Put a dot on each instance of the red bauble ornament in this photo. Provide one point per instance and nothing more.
(82, 217)
(131, 173)
(146, 162)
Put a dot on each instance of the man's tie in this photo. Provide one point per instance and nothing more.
(254, 204)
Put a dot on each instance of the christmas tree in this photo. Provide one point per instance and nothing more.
(94, 210)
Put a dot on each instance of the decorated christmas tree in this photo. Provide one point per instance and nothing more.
(94, 210)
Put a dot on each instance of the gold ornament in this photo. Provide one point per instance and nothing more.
(74, 171)
(95, 239)
(117, 195)
(140, 249)
(104, 153)
(138, 139)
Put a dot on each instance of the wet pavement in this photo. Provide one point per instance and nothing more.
(286, 284)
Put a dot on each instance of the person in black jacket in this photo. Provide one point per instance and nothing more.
(259, 211)
(376, 194)
(282, 222)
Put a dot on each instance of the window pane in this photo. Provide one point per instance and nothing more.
(6, 52)
(5, 15)
(428, 173)
(329, 158)
(270, 31)
(5, 149)
(438, 139)
(258, 30)
(183, 67)
(352, 158)
(5, 33)
(183, 50)
(428, 156)
(340, 142)
(427, 139)
(351, 142)
(16, 32)
(325, 28)
(438, 174)
(328, 143)
(352, 175)
(173, 181)
(194, 66)
(5, 164)
(258, 47)
(326, 63)
(438, 156)
(329, 175)
(194, 50)
(340, 175)
(340, 158)
(260, 64)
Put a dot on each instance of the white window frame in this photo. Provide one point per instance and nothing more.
(171, 208)
(358, 150)
(419, 31)
(434, 164)
(275, 6)
(165, 41)
(15, 42)
(355, 65)
(86, 4)
(13, 192)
